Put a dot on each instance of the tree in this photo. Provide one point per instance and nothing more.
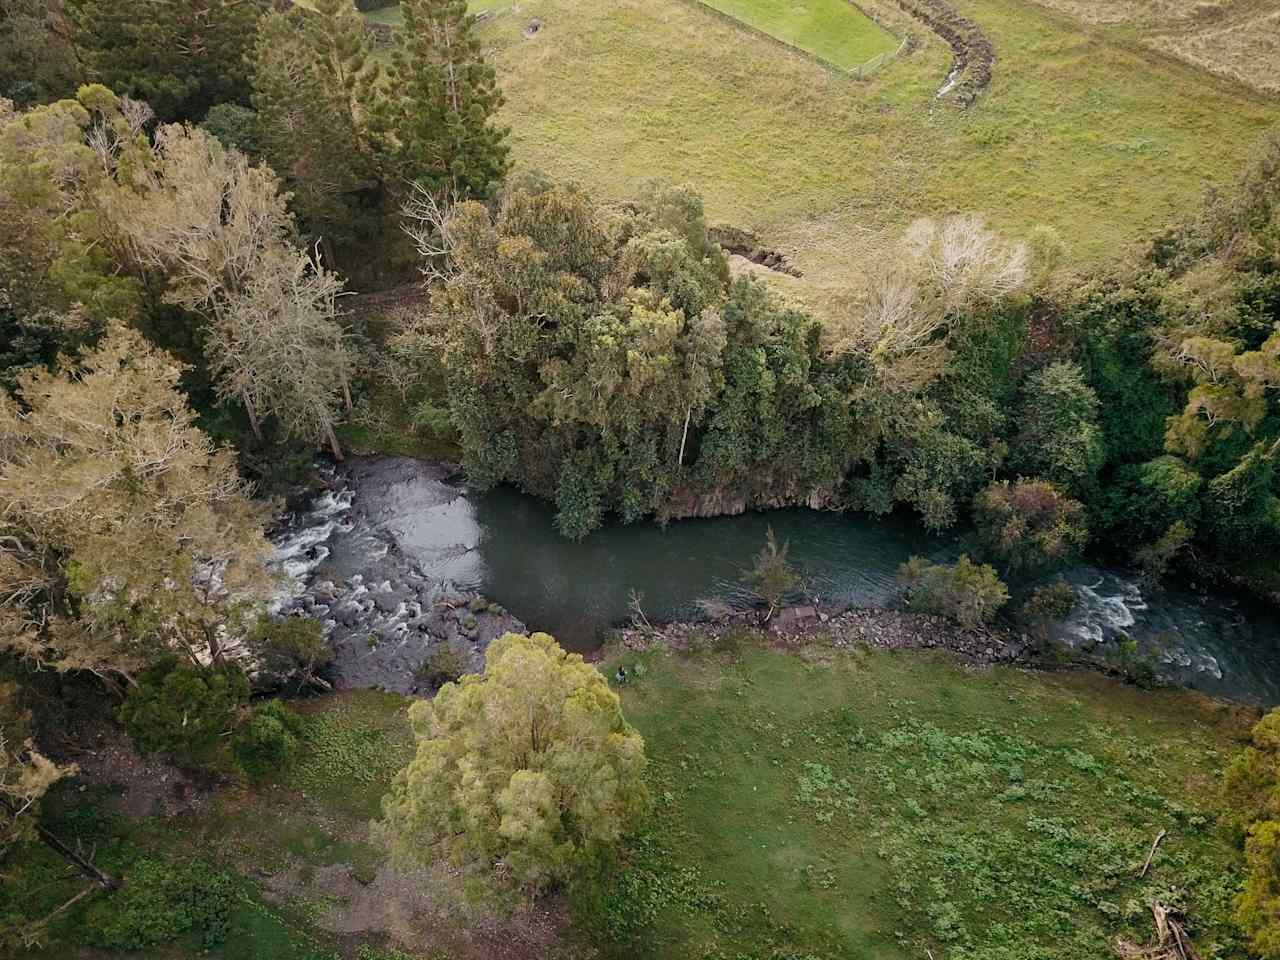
(26, 775)
(1252, 814)
(37, 62)
(125, 534)
(773, 577)
(59, 253)
(219, 229)
(528, 769)
(314, 83)
(966, 592)
(434, 119)
(180, 56)
(1030, 525)
(1059, 438)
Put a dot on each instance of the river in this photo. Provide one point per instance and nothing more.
(393, 535)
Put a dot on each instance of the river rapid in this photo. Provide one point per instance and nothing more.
(399, 560)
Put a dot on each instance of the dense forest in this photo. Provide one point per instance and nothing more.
(190, 191)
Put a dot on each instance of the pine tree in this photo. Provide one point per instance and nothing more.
(435, 121)
(181, 56)
(314, 79)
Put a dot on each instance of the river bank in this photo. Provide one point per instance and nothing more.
(402, 562)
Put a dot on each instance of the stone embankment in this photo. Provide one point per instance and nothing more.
(872, 627)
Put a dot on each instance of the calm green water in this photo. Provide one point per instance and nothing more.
(397, 515)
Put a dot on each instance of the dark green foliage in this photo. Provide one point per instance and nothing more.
(37, 64)
(181, 57)
(434, 121)
(1253, 818)
(314, 83)
(1029, 525)
(1143, 500)
(1058, 436)
(1241, 508)
(236, 127)
(161, 901)
(182, 710)
(292, 648)
(269, 741)
(968, 593)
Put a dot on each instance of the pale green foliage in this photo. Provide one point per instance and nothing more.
(124, 532)
(1060, 439)
(968, 593)
(219, 228)
(528, 769)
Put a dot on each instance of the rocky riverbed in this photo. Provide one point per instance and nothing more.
(390, 624)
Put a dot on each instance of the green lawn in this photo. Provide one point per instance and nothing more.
(834, 30)
(847, 805)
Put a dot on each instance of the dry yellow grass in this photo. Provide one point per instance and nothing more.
(1239, 39)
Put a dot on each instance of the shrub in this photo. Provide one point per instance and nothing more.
(236, 127)
(1029, 525)
(1049, 603)
(1143, 500)
(1059, 436)
(183, 710)
(443, 665)
(161, 901)
(269, 741)
(292, 646)
(965, 592)
(773, 577)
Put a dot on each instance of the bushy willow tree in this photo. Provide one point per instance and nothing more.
(59, 255)
(528, 770)
(125, 534)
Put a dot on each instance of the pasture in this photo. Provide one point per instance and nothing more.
(1084, 128)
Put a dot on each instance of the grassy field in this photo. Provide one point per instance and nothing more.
(811, 805)
(838, 805)
(1084, 129)
(834, 30)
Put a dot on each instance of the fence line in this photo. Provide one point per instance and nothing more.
(860, 72)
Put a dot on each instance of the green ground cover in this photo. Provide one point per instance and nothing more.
(1083, 129)
(876, 805)
(811, 805)
(834, 30)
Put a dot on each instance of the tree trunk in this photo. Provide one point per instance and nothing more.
(253, 418)
(84, 866)
(333, 442)
(684, 436)
(346, 394)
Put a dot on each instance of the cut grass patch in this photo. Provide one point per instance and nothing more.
(833, 30)
(884, 805)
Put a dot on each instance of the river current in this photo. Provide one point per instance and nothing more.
(392, 521)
